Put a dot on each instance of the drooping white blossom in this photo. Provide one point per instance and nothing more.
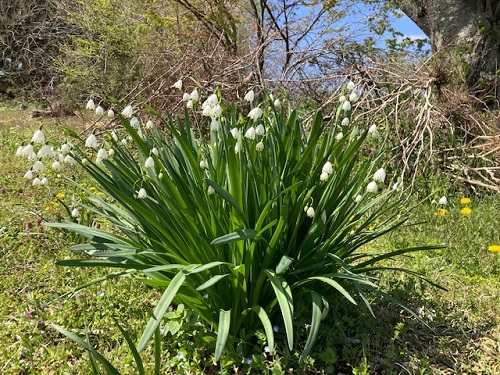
(215, 124)
(150, 124)
(260, 129)
(19, 150)
(91, 141)
(324, 176)
(141, 194)
(28, 175)
(372, 187)
(111, 113)
(149, 163)
(346, 106)
(178, 85)
(134, 122)
(373, 131)
(56, 165)
(36, 181)
(353, 98)
(210, 190)
(38, 137)
(203, 164)
(443, 200)
(27, 151)
(194, 96)
(38, 166)
(75, 212)
(310, 212)
(44, 181)
(345, 121)
(358, 198)
(327, 168)
(128, 111)
(68, 159)
(155, 151)
(99, 111)
(342, 99)
(339, 136)
(111, 152)
(65, 148)
(379, 175)
(250, 133)
(249, 96)
(235, 132)
(259, 146)
(45, 152)
(277, 103)
(189, 104)
(351, 86)
(102, 154)
(90, 105)
(255, 113)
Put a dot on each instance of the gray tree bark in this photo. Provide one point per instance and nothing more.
(471, 28)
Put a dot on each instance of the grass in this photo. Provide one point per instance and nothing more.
(463, 333)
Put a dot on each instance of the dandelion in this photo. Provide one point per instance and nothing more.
(443, 200)
(60, 195)
(149, 163)
(310, 212)
(441, 212)
(249, 96)
(466, 211)
(372, 187)
(494, 248)
(56, 165)
(210, 190)
(345, 121)
(379, 175)
(373, 132)
(178, 85)
(28, 175)
(250, 133)
(346, 106)
(260, 129)
(235, 132)
(339, 136)
(111, 113)
(255, 113)
(150, 124)
(259, 146)
(327, 168)
(75, 212)
(38, 137)
(99, 111)
(351, 86)
(128, 111)
(141, 194)
(91, 141)
(38, 166)
(465, 200)
(90, 105)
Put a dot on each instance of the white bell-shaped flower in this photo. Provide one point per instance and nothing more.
(353, 98)
(134, 122)
(27, 151)
(194, 96)
(342, 99)
(75, 212)
(56, 165)
(155, 151)
(91, 141)
(36, 181)
(38, 166)
(150, 162)
(260, 129)
(28, 175)
(310, 212)
(141, 194)
(339, 136)
(185, 97)
(277, 103)
(215, 124)
(150, 124)
(111, 152)
(99, 111)
(346, 106)
(44, 181)
(128, 111)
(102, 154)
(255, 113)
(203, 164)
(235, 132)
(372, 187)
(327, 168)
(178, 85)
(45, 152)
(68, 159)
(249, 96)
(210, 190)
(189, 104)
(345, 121)
(358, 198)
(324, 176)
(207, 110)
(38, 137)
(65, 148)
(111, 113)
(379, 175)
(351, 86)
(250, 133)
(259, 146)
(443, 200)
(373, 131)
(90, 105)
(19, 150)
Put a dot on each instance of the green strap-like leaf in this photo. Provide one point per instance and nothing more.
(108, 366)
(163, 305)
(244, 234)
(336, 285)
(285, 301)
(133, 349)
(222, 332)
(266, 323)
(317, 306)
(227, 197)
(211, 281)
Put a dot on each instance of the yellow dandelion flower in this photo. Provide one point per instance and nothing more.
(494, 248)
(466, 211)
(60, 196)
(47, 208)
(441, 212)
(371, 227)
(99, 193)
(92, 188)
(465, 201)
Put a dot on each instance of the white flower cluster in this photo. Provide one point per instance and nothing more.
(99, 110)
(45, 151)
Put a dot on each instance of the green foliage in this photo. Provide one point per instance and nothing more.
(242, 226)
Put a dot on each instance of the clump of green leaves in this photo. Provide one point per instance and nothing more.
(255, 225)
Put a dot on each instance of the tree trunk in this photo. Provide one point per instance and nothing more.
(470, 29)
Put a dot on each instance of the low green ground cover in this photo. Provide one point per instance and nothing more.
(462, 333)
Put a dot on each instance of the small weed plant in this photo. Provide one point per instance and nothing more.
(254, 222)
